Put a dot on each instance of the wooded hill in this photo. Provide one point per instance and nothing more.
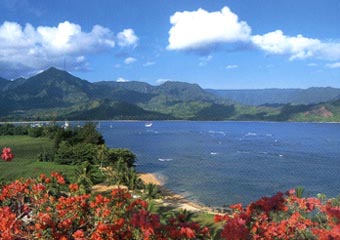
(57, 95)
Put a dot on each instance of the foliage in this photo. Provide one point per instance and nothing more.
(282, 217)
(120, 154)
(121, 174)
(27, 151)
(29, 210)
(151, 191)
(11, 129)
(86, 175)
(88, 134)
(76, 154)
(216, 112)
(279, 96)
(57, 95)
(48, 208)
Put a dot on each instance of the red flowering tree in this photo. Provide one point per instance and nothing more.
(7, 154)
(30, 210)
(283, 217)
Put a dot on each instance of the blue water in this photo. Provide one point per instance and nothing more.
(221, 163)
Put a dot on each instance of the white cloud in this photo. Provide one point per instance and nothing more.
(329, 51)
(27, 49)
(148, 64)
(201, 29)
(231, 66)
(276, 42)
(130, 60)
(120, 79)
(80, 59)
(204, 60)
(298, 47)
(333, 65)
(312, 64)
(127, 38)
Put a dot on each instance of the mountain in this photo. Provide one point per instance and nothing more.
(3, 83)
(181, 91)
(15, 83)
(134, 86)
(49, 89)
(131, 92)
(105, 109)
(57, 95)
(259, 97)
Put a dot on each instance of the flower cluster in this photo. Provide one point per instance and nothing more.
(283, 217)
(7, 154)
(48, 208)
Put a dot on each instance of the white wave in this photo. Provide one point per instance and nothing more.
(165, 159)
(251, 134)
(217, 132)
(214, 153)
(243, 152)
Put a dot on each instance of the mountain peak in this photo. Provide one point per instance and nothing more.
(54, 70)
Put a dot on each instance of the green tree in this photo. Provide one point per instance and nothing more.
(88, 134)
(87, 175)
(151, 191)
(114, 155)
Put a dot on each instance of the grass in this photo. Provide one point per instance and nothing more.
(25, 162)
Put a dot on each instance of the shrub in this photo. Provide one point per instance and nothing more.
(28, 210)
(120, 154)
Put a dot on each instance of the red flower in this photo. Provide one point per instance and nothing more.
(78, 235)
(7, 155)
(73, 187)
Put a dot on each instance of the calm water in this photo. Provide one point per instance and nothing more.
(218, 163)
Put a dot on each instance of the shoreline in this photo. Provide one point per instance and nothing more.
(167, 120)
(176, 200)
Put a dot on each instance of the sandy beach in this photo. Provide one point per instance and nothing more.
(172, 199)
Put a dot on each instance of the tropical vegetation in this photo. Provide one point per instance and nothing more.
(57, 95)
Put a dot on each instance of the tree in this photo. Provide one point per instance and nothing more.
(88, 134)
(87, 175)
(151, 191)
(114, 155)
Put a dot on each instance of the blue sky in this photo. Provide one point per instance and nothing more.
(229, 44)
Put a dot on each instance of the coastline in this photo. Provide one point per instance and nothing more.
(176, 200)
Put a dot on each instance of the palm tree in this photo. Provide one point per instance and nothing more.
(184, 216)
(151, 191)
(84, 174)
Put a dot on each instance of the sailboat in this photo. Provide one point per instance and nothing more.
(148, 124)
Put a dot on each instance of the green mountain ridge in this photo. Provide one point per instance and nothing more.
(257, 97)
(57, 95)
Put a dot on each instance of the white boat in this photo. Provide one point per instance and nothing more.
(66, 125)
(148, 124)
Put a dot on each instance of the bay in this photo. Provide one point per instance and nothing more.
(222, 163)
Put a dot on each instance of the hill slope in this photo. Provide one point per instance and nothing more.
(279, 96)
(57, 95)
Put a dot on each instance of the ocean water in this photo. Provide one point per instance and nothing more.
(221, 163)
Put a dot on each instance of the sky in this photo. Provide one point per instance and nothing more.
(230, 44)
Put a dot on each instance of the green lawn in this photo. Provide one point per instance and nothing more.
(25, 162)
